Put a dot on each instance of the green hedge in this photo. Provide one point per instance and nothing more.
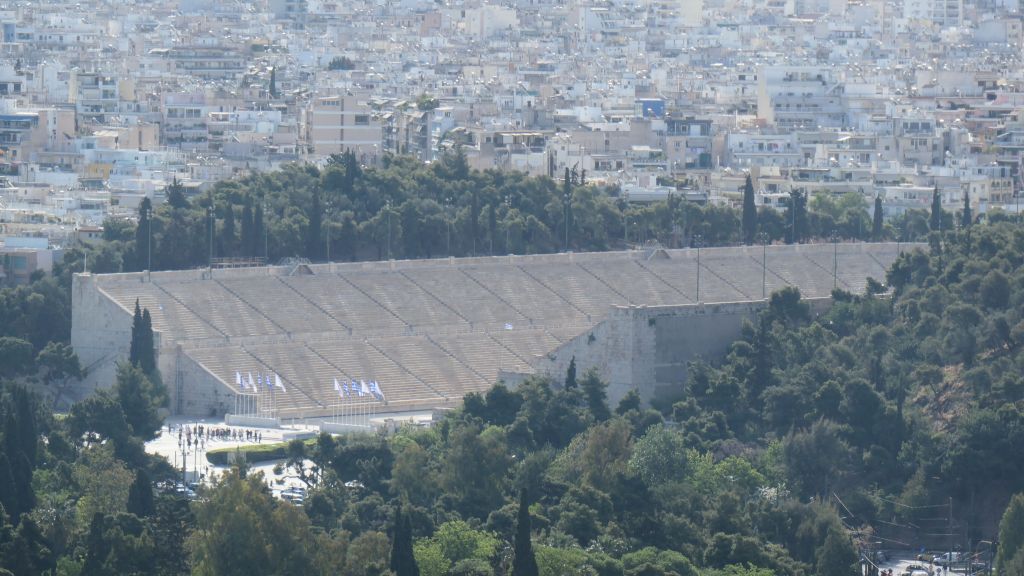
(257, 453)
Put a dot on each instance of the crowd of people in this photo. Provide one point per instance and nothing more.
(198, 434)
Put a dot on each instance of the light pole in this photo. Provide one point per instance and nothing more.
(508, 228)
(698, 240)
(387, 206)
(834, 237)
(209, 212)
(266, 234)
(625, 220)
(149, 242)
(448, 222)
(763, 238)
(328, 207)
(568, 200)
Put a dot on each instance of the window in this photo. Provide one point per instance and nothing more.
(362, 120)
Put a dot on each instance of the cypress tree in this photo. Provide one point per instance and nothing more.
(142, 234)
(749, 212)
(227, 232)
(935, 220)
(247, 228)
(258, 230)
(876, 221)
(966, 220)
(313, 233)
(147, 353)
(134, 352)
(140, 495)
(8, 488)
(403, 561)
(523, 562)
(570, 374)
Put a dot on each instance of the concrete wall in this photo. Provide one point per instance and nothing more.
(648, 348)
(101, 334)
(199, 393)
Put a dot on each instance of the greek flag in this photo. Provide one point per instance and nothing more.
(277, 382)
(252, 383)
(376, 390)
(238, 380)
(344, 389)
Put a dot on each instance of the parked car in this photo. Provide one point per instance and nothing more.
(927, 556)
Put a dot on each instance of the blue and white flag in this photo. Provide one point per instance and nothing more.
(363, 388)
(508, 325)
(352, 387)
(252, 383)
(376, 389)
(337, 387)
(268, 382)
(277, 382)
(344, 389)
(238, 380)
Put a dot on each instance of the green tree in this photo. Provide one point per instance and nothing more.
(144, 234)
(659, 456)
(403, 560)
(241, 530)
(965, 217)
(593, 388)
(59, 362)
(16, 356)
(876, 220)
(749, 212)
(1011, 534)
(836, 556)
(936, 216)
(140, 495)
(523, 562)
(570, 374)
(140, 400)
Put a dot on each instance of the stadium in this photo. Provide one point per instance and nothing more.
(430, 331)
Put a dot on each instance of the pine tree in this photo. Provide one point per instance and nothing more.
(273, 82)
(523, 562)
(966, 219)
(935, 220)
(313, 233)
(140, 495)
(876, 221)
(403, 561)
(749, 212)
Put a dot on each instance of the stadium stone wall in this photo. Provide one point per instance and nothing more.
(648, 348)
